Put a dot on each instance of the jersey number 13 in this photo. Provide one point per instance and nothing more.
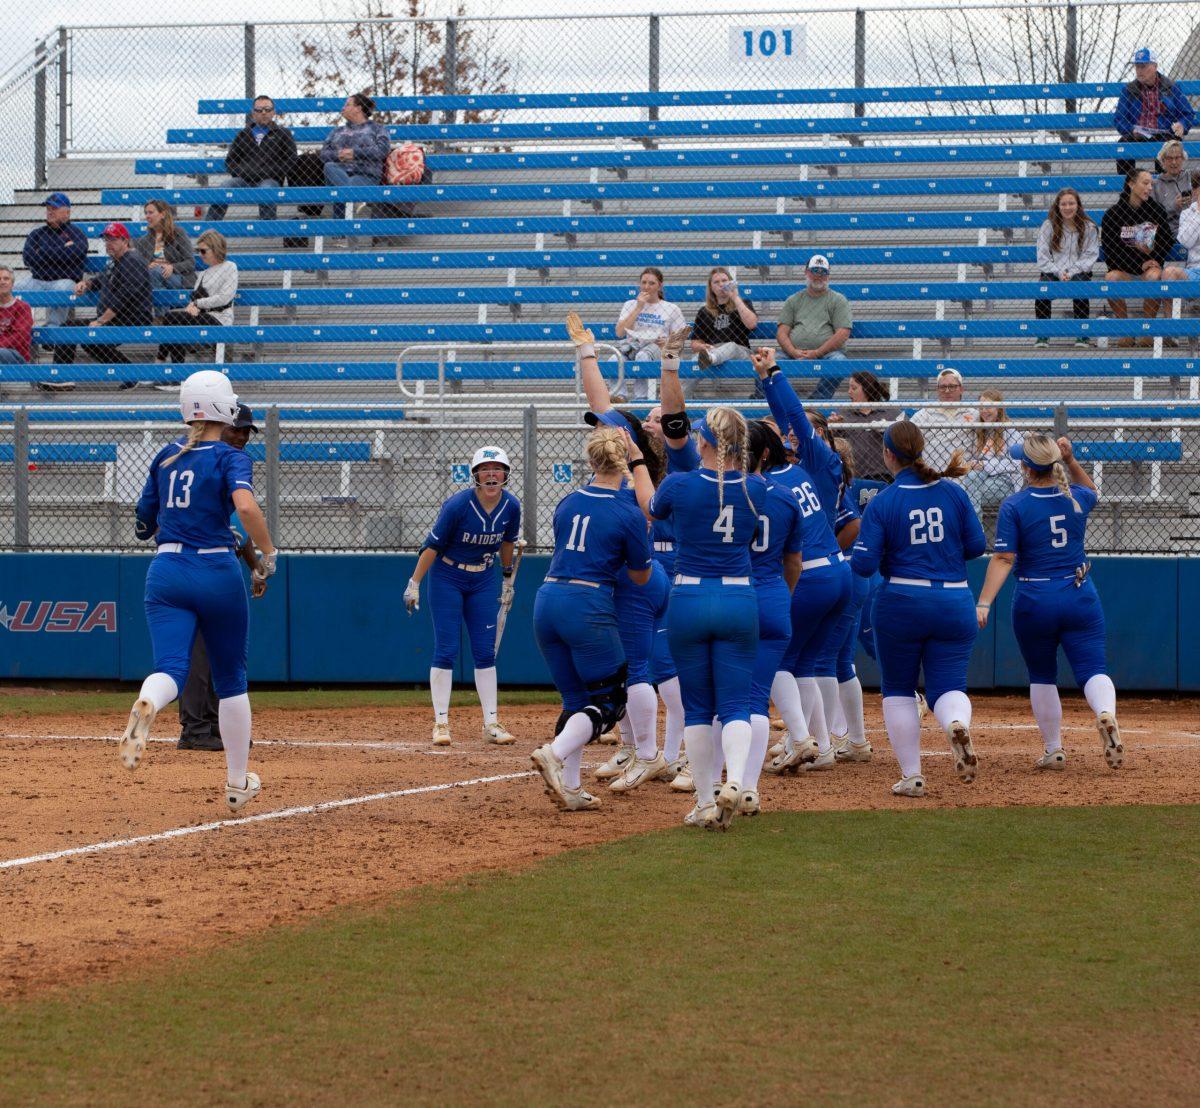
(181, 497)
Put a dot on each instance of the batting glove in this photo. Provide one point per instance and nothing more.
(412, 597)
(267, 562)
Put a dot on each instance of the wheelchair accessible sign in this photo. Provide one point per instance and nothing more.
(769, 45)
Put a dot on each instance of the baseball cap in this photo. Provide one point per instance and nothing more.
(57, 200)
(948, 372)
(818, 261)
(1144, 56)
(244, 417)
(115, 231)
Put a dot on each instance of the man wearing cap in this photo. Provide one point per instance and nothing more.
(126, 299)
(55, 255)
(1151, 108)
(815, 324)
(946, 427)
(198, 717)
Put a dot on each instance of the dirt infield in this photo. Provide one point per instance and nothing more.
(390, 813)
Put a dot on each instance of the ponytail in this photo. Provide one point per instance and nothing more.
(1060, 475)
(606, 451)
(1042, 453)
(195, 430)
(729, 428)
(905, 441)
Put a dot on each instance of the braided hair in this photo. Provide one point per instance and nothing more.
(1044, 453)
(728, 426)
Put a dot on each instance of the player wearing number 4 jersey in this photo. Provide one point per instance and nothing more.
(1040, 533)
(920, 532)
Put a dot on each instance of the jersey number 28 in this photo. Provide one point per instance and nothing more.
(181, 497)
(925, 525)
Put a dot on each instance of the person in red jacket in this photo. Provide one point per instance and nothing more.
(16, 322)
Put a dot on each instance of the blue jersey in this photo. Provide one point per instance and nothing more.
(817, 532)
(191, 500)
(847, 510)
(662, 536)
(597, 533)
(465, 533)
(780, 532)
(923, 532)
(823, 463)
(1043, 529)
(682, 459)
(711, 539)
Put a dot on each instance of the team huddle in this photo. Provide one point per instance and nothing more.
(719, 565)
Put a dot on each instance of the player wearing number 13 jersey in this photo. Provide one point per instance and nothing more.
(920, 532)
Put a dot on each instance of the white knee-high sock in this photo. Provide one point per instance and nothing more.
(786, 696)
(951, 706)
(575, 735)
(672, 699)
(736, 737)
(625, 728)
(160, 689)
(851, 698)
(814, 711)
(760, 738)
(642, 713)
(904, 732)
(1047, 710)
(233, 717)
(1101, 694)
(698, 737)
(485, 686)
(571, 765)
(828, 688)
(837, 719)
(440, 683)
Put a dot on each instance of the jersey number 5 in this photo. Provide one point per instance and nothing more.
(1058, 533)
(925, 525)
(182, 497)
(723, 524)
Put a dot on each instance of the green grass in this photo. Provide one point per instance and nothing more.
(986, 956)
(110, 700)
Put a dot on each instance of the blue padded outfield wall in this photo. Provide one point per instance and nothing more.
(330, 618)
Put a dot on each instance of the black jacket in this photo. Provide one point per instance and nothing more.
(259, 161)
(1118, 225)
(125, 287)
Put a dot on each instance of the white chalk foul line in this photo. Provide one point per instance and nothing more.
(418, 748)
(263, 817)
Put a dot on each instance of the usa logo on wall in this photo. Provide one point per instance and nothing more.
(61, 616)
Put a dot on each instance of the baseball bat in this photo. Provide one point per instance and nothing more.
(505, 605)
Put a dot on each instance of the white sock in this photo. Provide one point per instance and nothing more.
(904, 732)
(951, 706)
(814, 711)
(571, 765)
(485, 686)
(642, 712)
(736, 737)
(828, 688)
(836, 720)
(440, 683)
(672, 699)
(760, 738)
(786, 697)
(233, 717)
(625, 728)
(850, 697)
(575, 735)
(698, 738)
(718, 751)
(1101, 694)
(1047, 710)
(160, 689)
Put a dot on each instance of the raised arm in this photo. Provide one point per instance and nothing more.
(643, 487)
(670, 390)
(594, 386)
(1076, 472)
(785, 405)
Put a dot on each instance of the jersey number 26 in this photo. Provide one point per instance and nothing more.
(925, 525)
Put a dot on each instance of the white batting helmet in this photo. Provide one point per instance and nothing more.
(493, 454)
(208, 395)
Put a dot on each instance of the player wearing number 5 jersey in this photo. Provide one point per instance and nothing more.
(920, 532)
(600, 534)
(194, 583)
(1040, 533)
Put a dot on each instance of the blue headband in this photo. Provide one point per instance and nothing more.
(702, 428)
(1018, 452)
(902, 455)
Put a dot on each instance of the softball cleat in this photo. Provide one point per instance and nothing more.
(965, 761)
(682, 782)
(497, 734)
(638, 772)
(133, 742)
(1110, 736)
(237, 799)
(775, 749)
(610, 737)
(778, 725)
(671, 770)
(821, 761)
(749, 805)
(909, 786)
(1052, 759)
(579, 801)
(850, 751)
(729, 802)
(616, 765)
(441, 734)
(551, 769)
(790, 761)
(707, 816)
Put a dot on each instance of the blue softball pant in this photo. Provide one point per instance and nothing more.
(576, 629)
(640, 610)
(866, 619)
(774, 634)
(1056, 613)
(930, 627)
(455, 597)
(836, 658)
(189, 592)
(713, 632)
(819, 599)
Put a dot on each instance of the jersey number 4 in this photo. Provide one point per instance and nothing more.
(181, 497)
(925, 525)
(578, 536)
(723, 524)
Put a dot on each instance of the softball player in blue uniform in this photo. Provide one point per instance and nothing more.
(473, 528)
(1040, 532)
(600, 533)
(920, 532)
(194, 582)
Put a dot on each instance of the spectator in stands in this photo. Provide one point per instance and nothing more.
(126, 299)
(947, 427)
(16, 323)
(1173, 186)
(644, 325)
(165, 248)
(55, 255)
(1189, 237)
(994, 472)
(868, 396)
(1068, 249)
(1136, 236)
(724, 324)
(261, 156)
(354, 154)
(212, 298)
(815, 324)
(1151, 107)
